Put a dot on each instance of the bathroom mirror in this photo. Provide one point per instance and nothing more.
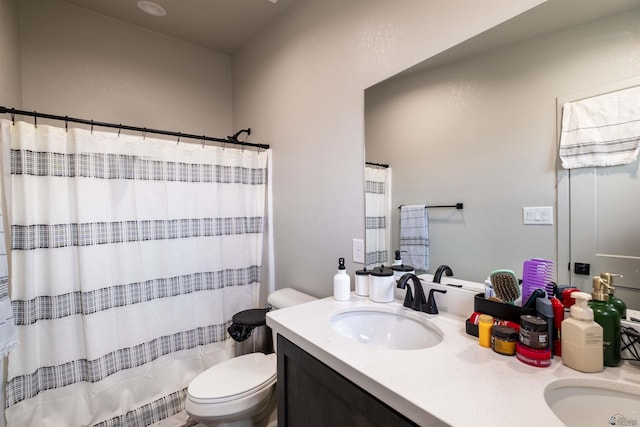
(477, 124)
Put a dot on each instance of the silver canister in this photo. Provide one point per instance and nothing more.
(250, 332)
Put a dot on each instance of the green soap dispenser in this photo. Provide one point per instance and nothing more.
(608, 317)
(616, 302)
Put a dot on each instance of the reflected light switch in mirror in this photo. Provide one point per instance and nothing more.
(537, 215)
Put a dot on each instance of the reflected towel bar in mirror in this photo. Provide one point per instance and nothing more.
(380, 165)
(458, 206)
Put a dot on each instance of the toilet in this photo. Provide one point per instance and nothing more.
(240, 392)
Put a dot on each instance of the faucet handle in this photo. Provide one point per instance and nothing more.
(431, 307)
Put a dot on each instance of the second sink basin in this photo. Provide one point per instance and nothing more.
(594, 402)
(386, 328)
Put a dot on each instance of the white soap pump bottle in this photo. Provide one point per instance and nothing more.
(582, 337)
(341, 283)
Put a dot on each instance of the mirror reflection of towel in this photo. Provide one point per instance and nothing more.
(602, 130)
(414, 236)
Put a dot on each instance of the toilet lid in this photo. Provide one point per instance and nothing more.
(234, 378)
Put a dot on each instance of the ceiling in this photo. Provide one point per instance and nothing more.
(226, 25)
(221, 25)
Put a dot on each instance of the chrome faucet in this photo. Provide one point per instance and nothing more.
(419, 302)
(442, 269)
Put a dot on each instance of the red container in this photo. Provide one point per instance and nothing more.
(558, 317)
(475, 318)
(567, 301)
(533, 357)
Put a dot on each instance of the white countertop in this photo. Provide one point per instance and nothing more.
(456, 382)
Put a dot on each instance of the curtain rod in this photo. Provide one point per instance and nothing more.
(382, 165)
(458, 206)
(229, 140)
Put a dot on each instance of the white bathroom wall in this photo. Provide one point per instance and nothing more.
(87, 65)
(301, 87)
(483, 131)
(10, 78)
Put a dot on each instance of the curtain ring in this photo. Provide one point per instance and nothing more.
(13, 116)
(66, 123)
(178, 142)
(91, 127)
(203, 137)
(35, 119)
(119, 129)
(144, 133)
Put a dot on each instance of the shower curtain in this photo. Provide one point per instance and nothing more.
(129, 255)
(377, 213)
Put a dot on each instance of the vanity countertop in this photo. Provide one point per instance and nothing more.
(456, 382)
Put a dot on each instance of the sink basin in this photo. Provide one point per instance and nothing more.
(390, 329)
(594, 402)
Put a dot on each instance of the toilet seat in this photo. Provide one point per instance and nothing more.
(234, 379)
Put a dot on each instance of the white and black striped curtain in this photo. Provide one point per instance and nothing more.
(129, 256)
(377, 214)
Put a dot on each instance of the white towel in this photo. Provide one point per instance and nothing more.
(414, 236)
(601, 131)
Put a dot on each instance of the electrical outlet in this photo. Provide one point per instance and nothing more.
(358, 251)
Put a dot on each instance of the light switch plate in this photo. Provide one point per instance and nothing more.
(541, 215)
(358, 251)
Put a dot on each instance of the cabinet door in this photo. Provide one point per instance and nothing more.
(312, 394)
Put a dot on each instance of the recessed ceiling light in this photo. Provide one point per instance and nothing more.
(151, 8)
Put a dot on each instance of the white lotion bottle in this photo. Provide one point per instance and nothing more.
(341, 283)
(582, 337)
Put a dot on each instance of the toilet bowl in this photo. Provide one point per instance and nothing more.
(236, 392)
(240, 392)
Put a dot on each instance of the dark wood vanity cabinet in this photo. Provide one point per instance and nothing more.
(312, 394)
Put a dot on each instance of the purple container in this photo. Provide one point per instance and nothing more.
(537, 274)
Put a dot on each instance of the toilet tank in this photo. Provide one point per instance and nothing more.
(287, 297)
(283, 298)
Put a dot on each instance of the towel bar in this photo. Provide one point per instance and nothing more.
(458, 206)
